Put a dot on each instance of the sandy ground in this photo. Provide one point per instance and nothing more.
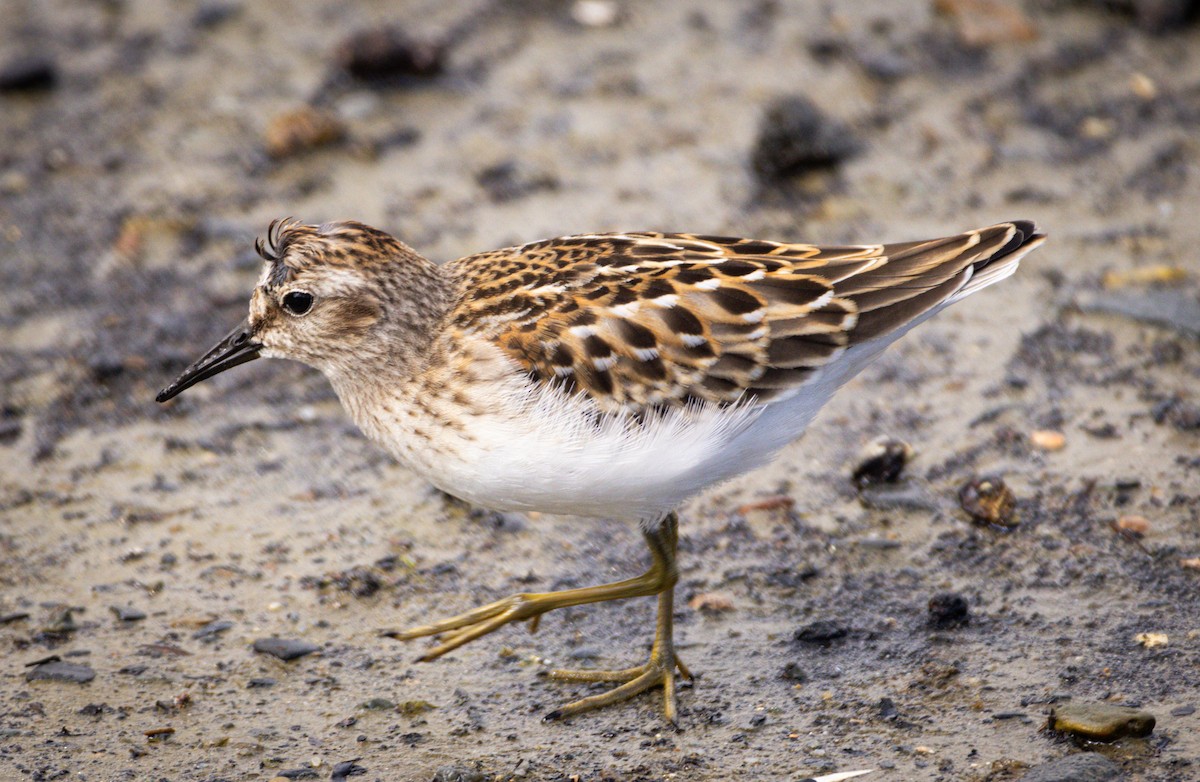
(129, 195)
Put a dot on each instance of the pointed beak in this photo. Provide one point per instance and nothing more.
(236, 348)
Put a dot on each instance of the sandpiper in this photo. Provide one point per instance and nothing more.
(603, 375)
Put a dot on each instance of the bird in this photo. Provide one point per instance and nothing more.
(607, 375)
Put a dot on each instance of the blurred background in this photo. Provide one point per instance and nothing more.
(147, 142)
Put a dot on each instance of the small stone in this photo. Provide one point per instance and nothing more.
(1184, 416)
(795, 137)
(457, 772)
(28, 73)
(413, 708)
(981, 23)
(882, 461)
(388, 53)
(1152, 640)
(1048, 440)
(711, 603)
(213, 629)
(1192, 563)
(1183, 711)
(379, 704)
(1143, 86)
(948, 609)
(260, 683)
(284, 648)
(347, 768)
(595, 13)
(128, 613)
(1101, 721)
(821, 631)
(57, 670)
(792, 672)
(1081, 767)
(989, 500)
(300, 130)
(1137, 525)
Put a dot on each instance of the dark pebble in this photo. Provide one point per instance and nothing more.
(949, 609)
(1182, 415)
(821, 631)
(510, 180)
(265, 681)
(214, 13)
(285, 648)
(1083, 767)
(386, 53)
(299, 773)
(887, 709)
(14, 617)
(1009, 715)
(213, 628)
(129, 613)
(989, 500)
(1162, 16)
(458, 773)
(792, 672)
(795, 137)
(1183, 711)
(882, 461)
(61, 672)
(347, 768)
(28, 73)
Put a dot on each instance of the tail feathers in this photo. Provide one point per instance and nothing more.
(1004, 262)
(918, 278)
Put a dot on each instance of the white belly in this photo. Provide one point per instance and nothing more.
(533, 448)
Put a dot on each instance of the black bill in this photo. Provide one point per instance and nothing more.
(236, 348)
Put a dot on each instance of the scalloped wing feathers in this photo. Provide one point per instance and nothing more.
(644, 320)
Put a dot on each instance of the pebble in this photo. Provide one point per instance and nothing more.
(457, 772)
(1101, 721)
(1152, 640)
(989, 500)
(1048, 440)
(347, 768)
(1184, 416)
(57, 670)
(795, 136)
(821, 631)
(285, 648)
(949, 609)
(595, 13)
(300, 130)
(213, 628)
(28, 73)
(711, 603)
(881, 461)
(388, 52)
(980, 23)
(1138, 525)
(1081, 767)
(128, 613)
(1183, 711)
(792, 672)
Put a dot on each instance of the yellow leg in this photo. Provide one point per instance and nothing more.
(659, 671)
(467, 627)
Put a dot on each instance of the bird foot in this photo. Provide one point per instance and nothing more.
(659, 671)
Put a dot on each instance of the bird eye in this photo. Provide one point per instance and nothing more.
(297, 302)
